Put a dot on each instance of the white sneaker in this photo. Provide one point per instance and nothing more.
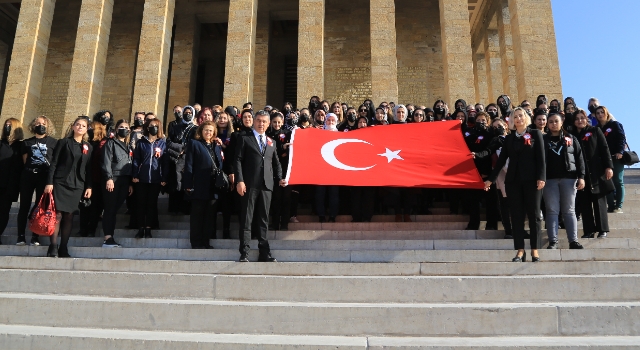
(110, 243)
(293, 219)
(617, 211)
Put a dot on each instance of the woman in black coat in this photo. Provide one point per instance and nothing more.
(617, 141)
(197, 180)
(281, 199)
(11, 165)
(599, 171)
(69, 180)
(524, 181)
(116, 167)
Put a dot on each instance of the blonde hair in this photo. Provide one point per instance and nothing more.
(16, 133)
(51, 129)
(527, 118)
(70, 131)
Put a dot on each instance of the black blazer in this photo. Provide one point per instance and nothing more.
(596, 154)
(526, 162)
(62, 162)
(253, 168)
(11, 165)
(198, 168)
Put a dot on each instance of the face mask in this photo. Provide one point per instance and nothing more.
(498, 131)
(325, 109)
(104, 120)
(153, 130)
(504, 106)
(123, 132)
(187, 117)
(471, 121)
(351, 117)
(178, 115)
(493, 114)
(6, 131)
(529, 112)
(439, 110)
(40, 129)
(138, 122)
(481, 125)
(553, 109)
(428, 118)
(592, 108)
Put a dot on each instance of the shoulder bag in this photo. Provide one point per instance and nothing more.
(43, 219)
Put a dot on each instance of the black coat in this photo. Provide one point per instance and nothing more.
(253, 168)
(597, 156)
(614, 134)
(478, 141)
(11, 164)
(230, 151)
(281, 137)
(198, 168)
(526, 162)
(117, 160)
(63, 160)
(574, 162)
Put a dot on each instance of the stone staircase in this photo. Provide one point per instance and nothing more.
(428, 284)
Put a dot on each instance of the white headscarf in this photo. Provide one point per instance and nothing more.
(330, 127)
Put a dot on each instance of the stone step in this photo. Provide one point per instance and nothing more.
(361, 244)
(338, 319)
(24, 337)
(364, 256)
(336, 289)
(586, 267)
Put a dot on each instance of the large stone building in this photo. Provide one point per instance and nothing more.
(67, 58)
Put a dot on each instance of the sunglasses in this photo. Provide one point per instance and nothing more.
(362, 110)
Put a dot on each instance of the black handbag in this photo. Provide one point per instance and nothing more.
(605, 186)
(219, 180)
(629, 157)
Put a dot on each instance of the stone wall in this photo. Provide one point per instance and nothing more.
(419, 50)
(57, 69)
(347, 52)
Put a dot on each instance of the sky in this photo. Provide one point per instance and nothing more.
(599, 50)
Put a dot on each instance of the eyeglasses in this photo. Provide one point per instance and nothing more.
(362, 110)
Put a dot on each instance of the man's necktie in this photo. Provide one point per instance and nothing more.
(262, 145)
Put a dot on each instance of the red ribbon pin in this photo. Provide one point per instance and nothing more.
(606, 132)
(527, 139)
(586, 136)
(158, 152)
(269, 142)
(85, 149)
(480, 138)
(568, 141)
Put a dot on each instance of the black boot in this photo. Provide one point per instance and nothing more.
(140, 233)
(53, 250)
(63, 252)
(147, 232)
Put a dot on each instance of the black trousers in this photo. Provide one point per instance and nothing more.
(29, 182)
(113, 201)
(594, 211)
(362, 202)
(402, 199)
(492, 210)
(89, 216)
(223, 204)
(524, 199)
(201, 212)
(281, 207)
(505, 213)
(254, 208)
(333, 193)
(472, 199)
(147, 199)
(5, 208)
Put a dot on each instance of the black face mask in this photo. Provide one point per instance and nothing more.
(187, 117)
(504, 106)
(6, 131)
(471, 120)
(153, 130)
(428, 118)
(439, 110)
(104, 120)
(351, 117)
(123, 132)
(498, 131)
(493, 114)
(178, 115)
(40, 129)
(138, 122)
(313, 105)
(325, 109)
(592, 108)
(481, 125)
(554, 109)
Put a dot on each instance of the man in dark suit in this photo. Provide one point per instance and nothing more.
(257, 166)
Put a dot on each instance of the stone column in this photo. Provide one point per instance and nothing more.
(480, 79)
(241, 51)
(24, 80)
(153, 57)
(89, 59)
(184, 65)
(493, 63)
(311, 51)
(534, 45)
(261, 66)
(456, 50)
(384, 63)
(508, 62)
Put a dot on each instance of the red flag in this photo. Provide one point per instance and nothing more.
(409, 155)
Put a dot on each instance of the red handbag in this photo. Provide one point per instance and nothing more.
(43, 219)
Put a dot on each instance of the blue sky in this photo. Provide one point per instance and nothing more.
(599, 50)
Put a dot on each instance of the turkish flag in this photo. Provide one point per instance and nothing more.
(430, 155)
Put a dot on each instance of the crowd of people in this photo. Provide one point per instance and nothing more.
(547, 161)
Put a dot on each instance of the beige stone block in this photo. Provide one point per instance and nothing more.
(24, 80)
(493, 64)
(456, 50)
(153, 56)
(89, 59)
(384, 66)
(480, 79)
(185, 59)
(509, 79)
(311, 55)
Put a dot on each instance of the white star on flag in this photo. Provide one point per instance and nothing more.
(391, 155)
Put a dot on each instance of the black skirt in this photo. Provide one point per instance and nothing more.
(66, 198)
